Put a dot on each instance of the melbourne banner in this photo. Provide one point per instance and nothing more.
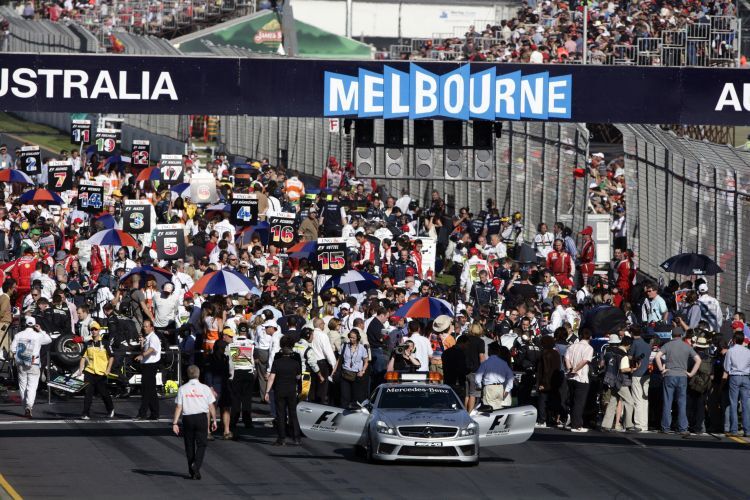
(373, 89)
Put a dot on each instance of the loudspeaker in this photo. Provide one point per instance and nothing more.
(453, 150)
(483, 142)
(498, 130)
(394, 148)
(424, 154)
(364, 148)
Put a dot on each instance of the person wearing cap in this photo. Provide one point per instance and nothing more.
(32, 242)
(283, 381)
(441, 339)
(166, 307)
(709, 307)
(737, 370)
(587, 256)
(619, 229)
(672, 360)
(698, 387)
(96, 365)
(26, 348)
(618, 376)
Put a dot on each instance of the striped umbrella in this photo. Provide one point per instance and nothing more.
(162, 276)
(424, 307)
(113, 237)
(352, 282)
(303, 249)
(224, 282)
(10, 175)
(149, 174)
(40, 196)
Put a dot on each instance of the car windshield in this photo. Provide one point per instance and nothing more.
(410, 397)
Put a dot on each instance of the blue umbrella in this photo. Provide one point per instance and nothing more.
(352, 282)
(107, 220)
(262, 228)
(181, 189)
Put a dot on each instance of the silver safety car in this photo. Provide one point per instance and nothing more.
(417, 421)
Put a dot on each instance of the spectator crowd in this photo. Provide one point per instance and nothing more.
(590, 342)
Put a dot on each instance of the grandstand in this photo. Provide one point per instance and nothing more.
(705, 37)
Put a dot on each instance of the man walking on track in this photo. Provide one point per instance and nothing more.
(194, 401)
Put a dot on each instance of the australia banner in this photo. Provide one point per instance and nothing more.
(373, 89)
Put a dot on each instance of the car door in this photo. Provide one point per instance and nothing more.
(505, 426)
(328, 423)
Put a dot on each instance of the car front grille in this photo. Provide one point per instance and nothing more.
(424, 451)
(428, 431)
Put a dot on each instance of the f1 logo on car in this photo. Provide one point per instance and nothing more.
(500, 425)
(327, 421)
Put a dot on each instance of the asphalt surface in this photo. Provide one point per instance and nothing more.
(57, 456)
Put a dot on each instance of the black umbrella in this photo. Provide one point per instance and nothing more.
(691, 264)
(603, 320)
(525, 254)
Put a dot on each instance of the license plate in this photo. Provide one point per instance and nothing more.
(428, 444)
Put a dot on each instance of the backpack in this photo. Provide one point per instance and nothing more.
(613, 377)
(702, 379)
(128, 305)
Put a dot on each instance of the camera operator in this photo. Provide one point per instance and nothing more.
(403, 359)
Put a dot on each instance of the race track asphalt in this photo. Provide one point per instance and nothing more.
(57, 456)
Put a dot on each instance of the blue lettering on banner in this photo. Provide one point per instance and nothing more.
(457, 95)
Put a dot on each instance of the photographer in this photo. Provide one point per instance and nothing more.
(403, 359)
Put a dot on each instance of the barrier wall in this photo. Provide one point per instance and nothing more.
(689, 196)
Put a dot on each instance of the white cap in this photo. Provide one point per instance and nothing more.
(30, 321)
(598, 155)
(270, 323)
(614, 339)
(345, 305)
(703, 288)
(593, 185)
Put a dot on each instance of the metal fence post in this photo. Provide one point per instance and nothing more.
(717, 250)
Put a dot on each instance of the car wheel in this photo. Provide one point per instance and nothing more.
(66, 351)
(369, 456)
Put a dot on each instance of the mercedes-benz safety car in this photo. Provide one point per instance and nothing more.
(411, 418)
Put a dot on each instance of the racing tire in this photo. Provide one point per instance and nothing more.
(66, 351)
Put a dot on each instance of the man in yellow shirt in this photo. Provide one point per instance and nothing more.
(95, 365)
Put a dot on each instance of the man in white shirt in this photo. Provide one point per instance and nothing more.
(543, 242)
(182, 281)
(26, 347)
(558, 316)
(166, 306)
(321, 345)
(710, 308)
(224, 226)
(495, 378)
(422, 349)
(195, 402)
(149, 359)
(577, 359)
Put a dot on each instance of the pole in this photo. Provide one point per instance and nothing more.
(585, 30)
(349, 7)
(739, 41)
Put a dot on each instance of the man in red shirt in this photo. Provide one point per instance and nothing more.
(561, 264)
(587, 255)
(367, 251)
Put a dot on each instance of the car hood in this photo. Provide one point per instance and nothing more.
(452, 418)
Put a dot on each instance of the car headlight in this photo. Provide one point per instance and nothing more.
(470, 430)
(384, 428)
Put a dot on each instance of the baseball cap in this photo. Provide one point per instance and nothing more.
(271, 324)
(703, 288)
(36, 230)
(345, 305)
(441, 323)
(228, 332)
(614, 339)
(94, 326)
(738, 325)
(30, 321)
(587, 230)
